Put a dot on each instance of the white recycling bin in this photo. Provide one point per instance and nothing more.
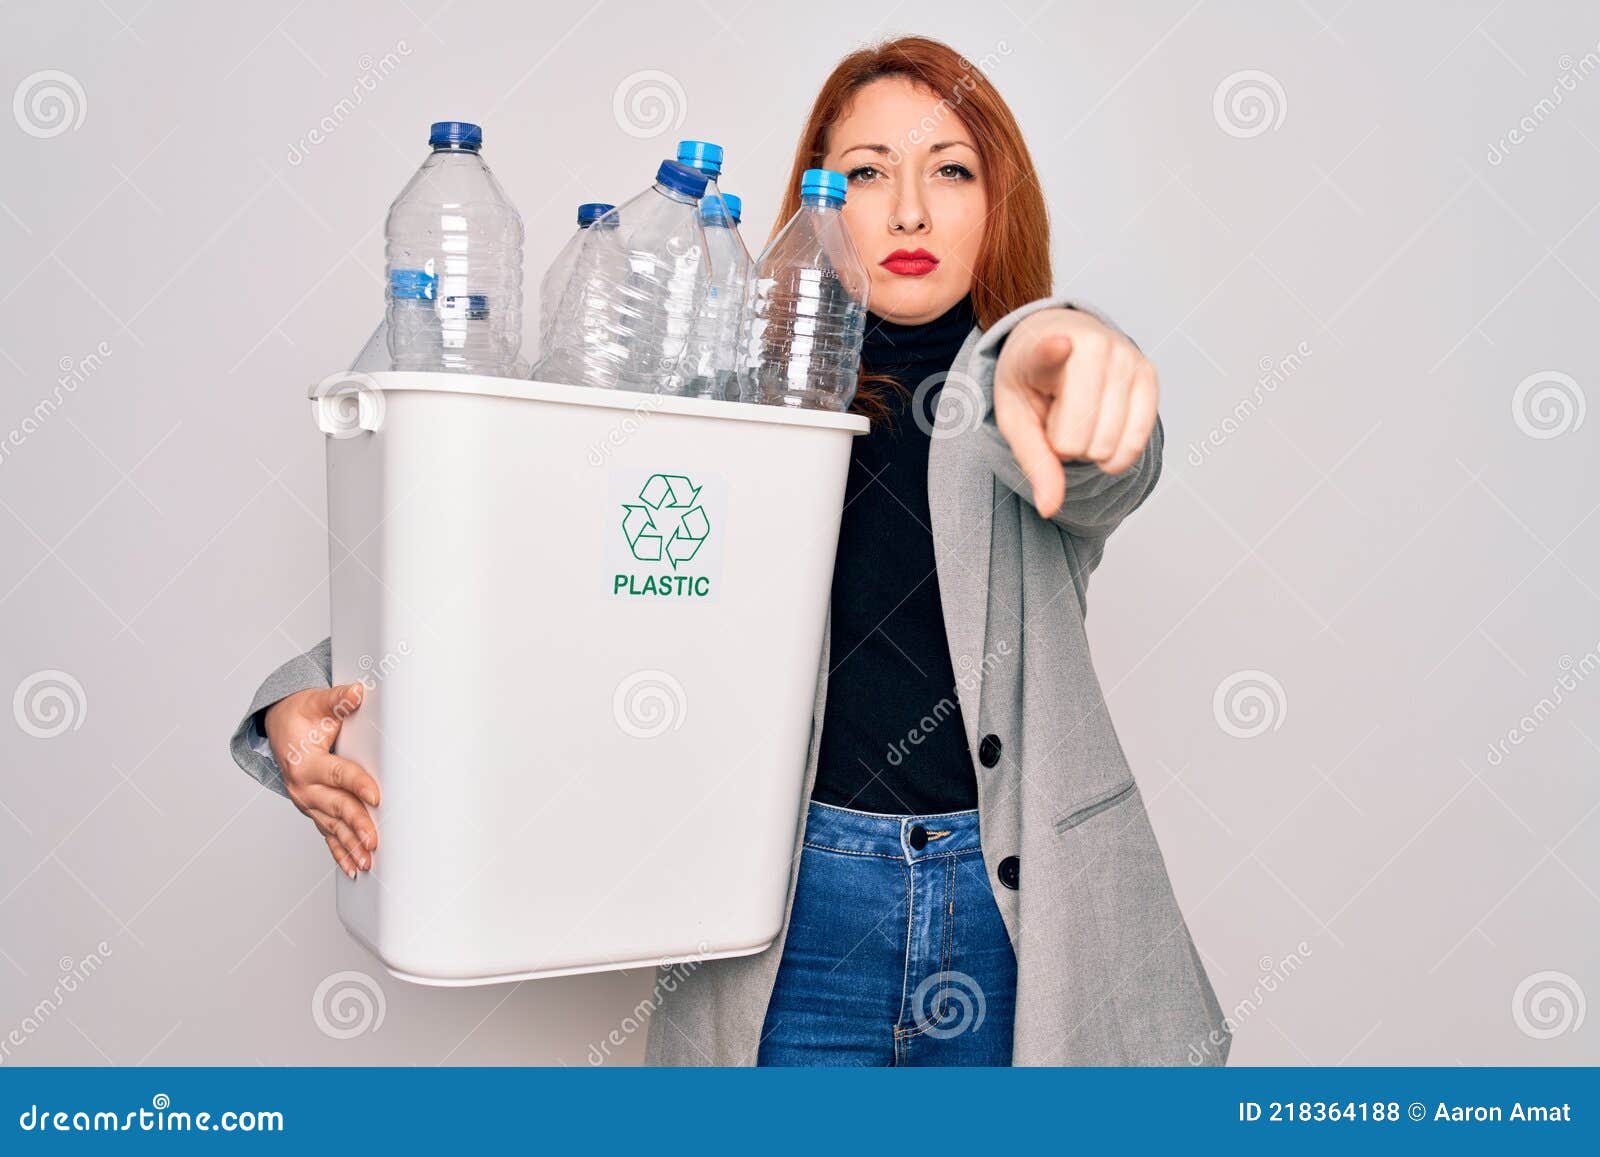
(590, 624)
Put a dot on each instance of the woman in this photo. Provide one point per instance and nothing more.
(1012, 433)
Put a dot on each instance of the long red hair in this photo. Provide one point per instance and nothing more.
(1014, 260)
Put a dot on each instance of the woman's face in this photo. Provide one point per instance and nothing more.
(916, 204)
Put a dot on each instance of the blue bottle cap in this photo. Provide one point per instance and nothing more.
(723, 210)
(824, 183)
(702, 155)
(681, 179)
(411, 285)
(591, 211)
(459, 134)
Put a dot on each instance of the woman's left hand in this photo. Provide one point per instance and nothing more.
(1068, 388)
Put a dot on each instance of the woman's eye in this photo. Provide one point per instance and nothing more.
(955, 171)
(862, 173)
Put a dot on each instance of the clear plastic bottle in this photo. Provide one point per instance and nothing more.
(637, 293)
(553, 287)
(728, 252)
(802, 345)
(710, 368)
(455, 263)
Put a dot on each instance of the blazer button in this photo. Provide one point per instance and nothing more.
(989, 750)
(1010, 872)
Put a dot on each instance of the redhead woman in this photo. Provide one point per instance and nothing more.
(975, 881)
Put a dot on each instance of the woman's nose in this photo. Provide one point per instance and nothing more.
(909, 215)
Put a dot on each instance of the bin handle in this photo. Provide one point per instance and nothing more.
(346, 404)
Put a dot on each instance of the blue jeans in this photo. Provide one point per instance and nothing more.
(896, 953)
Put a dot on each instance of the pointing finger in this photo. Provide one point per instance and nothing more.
(1077, 400)
(1023, 430)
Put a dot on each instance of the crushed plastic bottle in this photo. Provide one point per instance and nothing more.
(637, 294)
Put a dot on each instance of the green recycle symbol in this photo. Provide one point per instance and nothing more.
(676, 501)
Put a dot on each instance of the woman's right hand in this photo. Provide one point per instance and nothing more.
(335, 792)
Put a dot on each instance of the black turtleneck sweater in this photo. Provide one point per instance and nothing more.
(892, 733)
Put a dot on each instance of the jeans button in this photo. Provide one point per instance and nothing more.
(918, 837)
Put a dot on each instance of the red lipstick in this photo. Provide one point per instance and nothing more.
(910, 262)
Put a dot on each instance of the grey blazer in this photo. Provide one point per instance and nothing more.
(1107, 973)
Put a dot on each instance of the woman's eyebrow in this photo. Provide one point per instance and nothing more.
(885, 150)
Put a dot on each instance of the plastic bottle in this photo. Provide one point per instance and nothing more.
(554, 285)
(637, 293)
(455, 263)
(710, 370)
(802, 344)
(727, 249)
